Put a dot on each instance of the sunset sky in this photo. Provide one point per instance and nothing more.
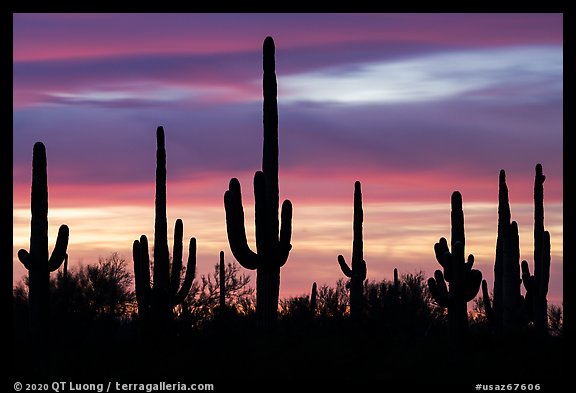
(415, 106)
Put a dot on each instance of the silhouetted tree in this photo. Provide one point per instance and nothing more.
(204, 297)
(20, 311)
(272, 251)
(156, 302)
(300, 308)
(110, 287)
(464, 282)
(555, 318)
(36, 260)
(295, 308)
(333, 302)
(356, 273)
(222, 281)
(97, 291)
(403, 305)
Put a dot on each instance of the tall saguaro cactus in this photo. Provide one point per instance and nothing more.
(356, 273)
(272, 243)
(37, 262)
(537, 285)
(155, 304)
(463, 281)
(505, 312)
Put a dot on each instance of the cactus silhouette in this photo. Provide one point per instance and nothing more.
(313, 296)
(509, 309)
(506, 310)
(536, 285)
(272, 251)
(222, 279)
(463, 281)
(155, 304)
(37, 262)
(488, 307)
(356, 273)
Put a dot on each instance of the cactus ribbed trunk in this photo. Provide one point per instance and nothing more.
(272, 240)
(161, 297)
(503, 229)
(511, 297)
(356, 273)
(457, 311)
(39, 277)
(267, 292)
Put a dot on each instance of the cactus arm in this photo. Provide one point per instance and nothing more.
(137, 271)
(176, 257)
(468, 265)
(486, 301)
(472, 284)
(141, 258)
(440, 250)
(438, 289)
(190, 273)
(527, 278)
(25, 258)
(285, 232)
(344, 266)
(235, 227)
(59, 252)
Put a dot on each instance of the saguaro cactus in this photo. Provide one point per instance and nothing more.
(157, 302)
(537, 285)
(505, 312)
(272, 251)
(313, 296)
(464, 282)
(37, 262)
(357, 273)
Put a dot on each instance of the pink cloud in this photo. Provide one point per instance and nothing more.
(60, 36)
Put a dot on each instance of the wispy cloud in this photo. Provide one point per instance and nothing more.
(516, 72)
